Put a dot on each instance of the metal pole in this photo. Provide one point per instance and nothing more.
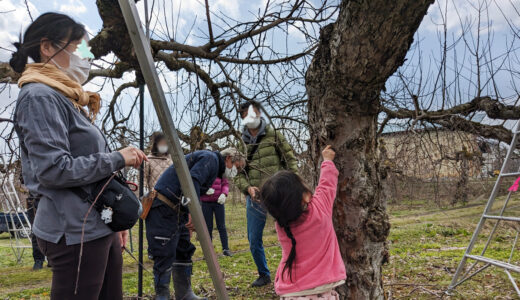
(141, 193)
(146, 63)
(141, 177)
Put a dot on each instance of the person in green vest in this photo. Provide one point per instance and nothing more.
(267, 153)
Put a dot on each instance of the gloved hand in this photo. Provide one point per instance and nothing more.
(210, 191)
(221, 199)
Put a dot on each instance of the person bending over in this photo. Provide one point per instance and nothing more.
(168, 223)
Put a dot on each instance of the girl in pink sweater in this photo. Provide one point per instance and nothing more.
(311, 265)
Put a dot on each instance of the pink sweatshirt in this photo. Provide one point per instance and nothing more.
(318, 259)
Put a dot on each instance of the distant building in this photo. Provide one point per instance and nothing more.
(439, 153)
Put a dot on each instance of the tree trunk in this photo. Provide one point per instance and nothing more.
(355, 57)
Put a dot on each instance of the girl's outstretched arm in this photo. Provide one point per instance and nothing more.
(326, 190)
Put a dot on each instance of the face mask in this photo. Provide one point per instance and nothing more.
(252, 121)
(231, 172)
(79, 63)
(162, 149)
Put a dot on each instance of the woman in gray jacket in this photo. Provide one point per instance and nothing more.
(63, 150)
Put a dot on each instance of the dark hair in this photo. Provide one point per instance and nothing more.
(52, 26)
(282, 195)
(244, 107)
(154, 140)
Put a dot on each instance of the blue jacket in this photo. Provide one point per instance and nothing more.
(205, 166)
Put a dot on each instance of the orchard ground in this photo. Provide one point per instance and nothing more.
(425, 244)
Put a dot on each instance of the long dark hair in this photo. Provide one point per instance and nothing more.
(155, 139)
(282, 195)
(55, 27)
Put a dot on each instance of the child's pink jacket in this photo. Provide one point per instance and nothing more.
(318, 259)
(221, 186)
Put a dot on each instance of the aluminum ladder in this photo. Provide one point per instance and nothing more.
(12, 209)
(507, 266)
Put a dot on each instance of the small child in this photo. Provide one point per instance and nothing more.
(311, 265)
(212, 203)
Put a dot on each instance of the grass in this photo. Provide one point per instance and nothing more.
(426, 245)
(18, 281)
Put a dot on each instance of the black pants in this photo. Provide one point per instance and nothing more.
(168, 238)
(32, 205)
(100, 274)
(214, 208)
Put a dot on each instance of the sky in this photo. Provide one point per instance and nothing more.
(187, 18)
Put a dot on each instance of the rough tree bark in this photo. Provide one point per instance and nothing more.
(355, 57)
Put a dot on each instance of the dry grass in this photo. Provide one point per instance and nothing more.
(425, 245)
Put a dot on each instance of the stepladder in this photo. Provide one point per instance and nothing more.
(14, 219)
(477, 257)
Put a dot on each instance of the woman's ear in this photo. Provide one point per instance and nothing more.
(46, 49)
(229, 162)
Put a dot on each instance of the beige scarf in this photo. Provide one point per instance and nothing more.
(50, 75)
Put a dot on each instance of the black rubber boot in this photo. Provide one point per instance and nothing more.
(182, 282)
(38, 265)
(261, 281)
(162, 285)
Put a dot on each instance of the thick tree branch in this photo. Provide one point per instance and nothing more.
(453, 118)
(497, 132)
(492, 107)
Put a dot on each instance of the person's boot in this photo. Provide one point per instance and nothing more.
(162, 285)
(261, 281)
(227, 252)
(182, 282)
(38, 265)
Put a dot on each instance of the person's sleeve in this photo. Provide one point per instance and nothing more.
(287, 153)
(241, 182)
(225, 186)
(196, 184)
(43, 123)
(325, 192)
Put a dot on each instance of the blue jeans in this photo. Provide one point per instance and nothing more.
(256, 217)
(210, 208)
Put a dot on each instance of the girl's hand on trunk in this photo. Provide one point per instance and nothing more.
(328, 153)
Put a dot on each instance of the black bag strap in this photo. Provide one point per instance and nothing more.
(80, 192)
(254, 148)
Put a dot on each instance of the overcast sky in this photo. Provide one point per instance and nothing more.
(15, 18)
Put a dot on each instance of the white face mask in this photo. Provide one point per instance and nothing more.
(231, 172)
(79, 68)
(252, 120)
(162, 149)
